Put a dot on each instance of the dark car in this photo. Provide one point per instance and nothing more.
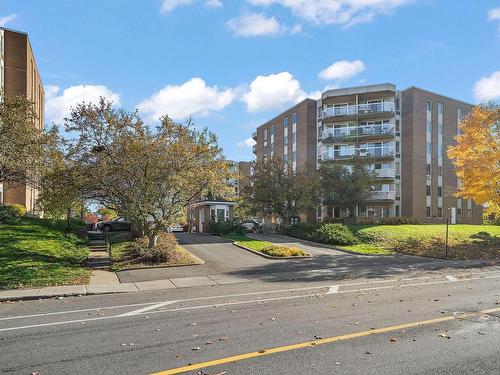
(118, 224)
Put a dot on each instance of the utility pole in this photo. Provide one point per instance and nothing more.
(446, 240)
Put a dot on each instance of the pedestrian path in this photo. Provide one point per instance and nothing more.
(103, 282)
(99, 256)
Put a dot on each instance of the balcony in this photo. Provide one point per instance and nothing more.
(383, 196)
(385, 173)
(362, 131)
(347, 111)
(254, 136)
(254, 149)
(375, 153)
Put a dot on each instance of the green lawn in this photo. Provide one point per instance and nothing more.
(37, 252)
(464, 241)
(265, 247)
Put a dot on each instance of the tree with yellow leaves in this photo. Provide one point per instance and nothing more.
(476, 156)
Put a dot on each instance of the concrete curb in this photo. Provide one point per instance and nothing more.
(330, 246)
(259, 253)
(270, 256)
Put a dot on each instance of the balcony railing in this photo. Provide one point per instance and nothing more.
(254, 149)
(385, 173)
(254, 136)
(383, 195)
(381, 152)
(360, 109)
(358, 131)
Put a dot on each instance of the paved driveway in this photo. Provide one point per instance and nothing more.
(223, 258)
(220, 256)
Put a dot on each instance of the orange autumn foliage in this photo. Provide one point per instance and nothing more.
(476, 156)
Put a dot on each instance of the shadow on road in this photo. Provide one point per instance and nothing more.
(326, 267)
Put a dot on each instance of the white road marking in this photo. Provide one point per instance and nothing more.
(149, 308)
(235, 303)
(247, 294)
(333, 289)
(451, 278)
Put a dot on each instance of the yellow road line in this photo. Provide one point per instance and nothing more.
(308, 344)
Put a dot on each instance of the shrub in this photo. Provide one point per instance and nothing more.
(18, 210)
(162, 252)
(334, 234)
(6, 213)
(225, 228)
(282, 251)
(398, 220)
(303, 231)
(363, 220)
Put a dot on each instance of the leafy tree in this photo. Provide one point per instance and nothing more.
(149, 176)
(346, 187)
(59, 196)
(106, 213)
(476, 156)
(21, 142)
(274, 189)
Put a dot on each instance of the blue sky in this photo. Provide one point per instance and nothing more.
(235, 64)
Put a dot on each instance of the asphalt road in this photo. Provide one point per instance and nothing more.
(222, 257)
(433, 323)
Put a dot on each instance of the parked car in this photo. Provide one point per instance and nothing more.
(118, 224)
(176, 228)
(251, 225)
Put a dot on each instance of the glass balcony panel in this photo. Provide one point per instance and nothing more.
(383, 195)
(350, 110)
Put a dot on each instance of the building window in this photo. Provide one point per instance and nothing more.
(428, 190)
(428, 169)
(428, 211)
(397, 147)
(469, 213)
(294, 118)
(440, 212)
(397, 210)
(459, 212)
(285, 123)
(440, 191)
(397, 125)
(265, 134)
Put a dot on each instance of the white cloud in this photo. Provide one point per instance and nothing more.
(193, 97)
(342, 70)
(254, 24)
(58, 104)
(272, 92)
(169, 5)
(494, 14)
(343, 12)
(296, 29)
(488, 88)
(7, 19)
(249, 142)
(214, 3)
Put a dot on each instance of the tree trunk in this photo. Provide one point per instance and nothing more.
(153, 239)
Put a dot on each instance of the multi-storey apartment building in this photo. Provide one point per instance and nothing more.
(289, 135)
(393, 132)
(241, 171)
(19, 76)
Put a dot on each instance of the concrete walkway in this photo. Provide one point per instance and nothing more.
(109, 284)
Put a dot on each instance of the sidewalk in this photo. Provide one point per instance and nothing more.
(103, 282)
